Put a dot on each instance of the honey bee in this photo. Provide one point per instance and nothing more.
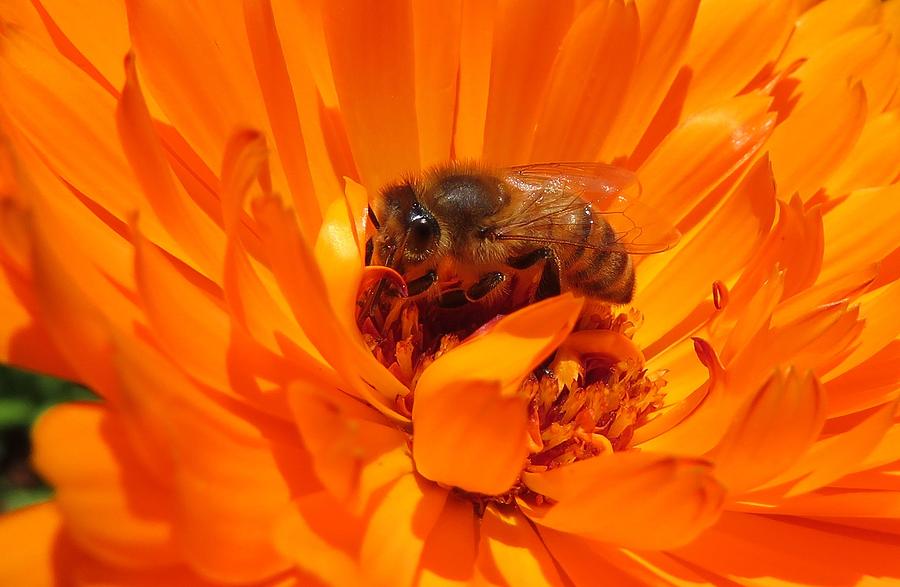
(460, 232)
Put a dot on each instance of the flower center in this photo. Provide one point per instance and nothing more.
(587, 398)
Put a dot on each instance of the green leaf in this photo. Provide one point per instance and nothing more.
(16, 411)
(20, 497)
(23, 396)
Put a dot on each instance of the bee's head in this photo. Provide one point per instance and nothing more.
(409, 234)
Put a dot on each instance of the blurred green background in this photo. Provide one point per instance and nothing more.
(23, 396)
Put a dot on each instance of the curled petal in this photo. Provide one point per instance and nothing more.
(456, 417)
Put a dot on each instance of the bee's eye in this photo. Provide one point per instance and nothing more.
(423, 231)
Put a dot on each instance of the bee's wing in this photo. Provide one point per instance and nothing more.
(595, 178)
(612, 191)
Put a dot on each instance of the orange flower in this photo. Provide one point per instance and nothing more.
(203, 280)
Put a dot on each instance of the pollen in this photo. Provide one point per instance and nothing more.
(584, 400)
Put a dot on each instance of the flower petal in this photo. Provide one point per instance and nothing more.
(339, 259)
(772, 430)
(753, 316)
(31, 534)
(189, 226)
(879, 310)
(864, 54)
(517, 84)
(398, 528)
(63, 113)
(348, 443)
(511, 552)
(371, 50)
(475, 57)
(701, 152)
(436, 74)
(634, 500)
(470, 435)
(253, 299)
(206, 87)
(585, 561)
(24, 341)
(838, 455)
(869, 384)
(878, 503)
(79, 21)
(186, 317)
(227, 507)
(793, 247)
(465, 403)
(335, 335)
(80, 302)
(833, 119)
(814, 341)
(112, 507)
(515, 344)
(854, 236)
(824, 22)
(322, 539)
(32, 80)
(731, 43)
(694, 425)
(715, 250)
(848, 286)
(278, 96)
(449, 554)
(584, 92)
(302, 40)
(869, 164)
(746, 547)
(665, 27)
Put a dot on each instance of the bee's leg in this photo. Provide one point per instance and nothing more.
(549, 284)
(373, 218)
(530, 259)
(420, 285)
(485, 285)
(453, 299)
(370, 248)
